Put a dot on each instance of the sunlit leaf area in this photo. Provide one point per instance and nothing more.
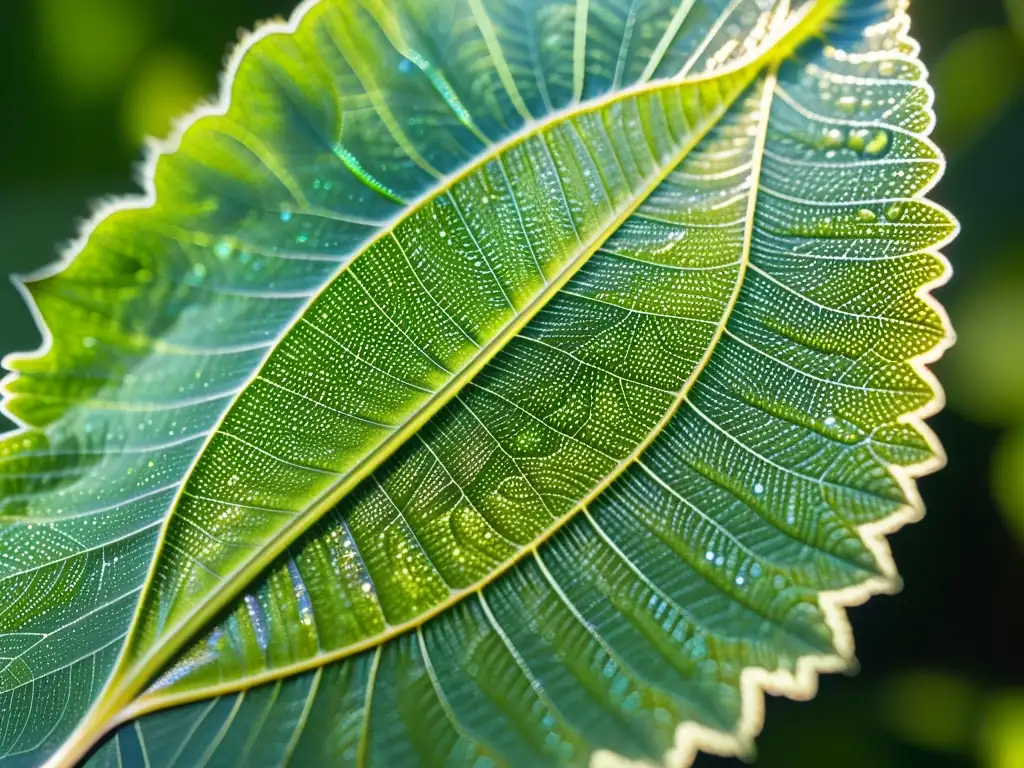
(937, 677)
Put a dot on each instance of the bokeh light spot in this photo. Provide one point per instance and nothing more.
(1008, 481)
(1015, 13)
(167, 85)
(91, 45)
(984, 372)
(975, 81)
(1002, 736)
(932, 710)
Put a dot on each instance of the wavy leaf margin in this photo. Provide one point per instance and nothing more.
(755, 682)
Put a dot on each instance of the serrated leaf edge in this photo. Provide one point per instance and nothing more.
(755, 682)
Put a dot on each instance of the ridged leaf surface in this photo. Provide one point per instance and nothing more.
(482, 383)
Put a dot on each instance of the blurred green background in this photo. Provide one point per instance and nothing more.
(942, 678)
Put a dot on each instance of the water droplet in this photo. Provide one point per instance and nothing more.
(865, 214)
(758, 489)
(366, 587)
(709, 556)
(739, 581)
(894, 212)
(199, 271)
(878, 143)
(857, 140)
(286, 216)
(886, 68)
(88, 342)
(223, 249)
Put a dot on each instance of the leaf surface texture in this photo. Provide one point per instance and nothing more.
(488, 383)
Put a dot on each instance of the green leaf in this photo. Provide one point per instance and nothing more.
(482, 382)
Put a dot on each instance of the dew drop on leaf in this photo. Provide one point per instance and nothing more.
(894, 212)
(878, 144)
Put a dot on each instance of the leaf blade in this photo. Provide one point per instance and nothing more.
(720, 395)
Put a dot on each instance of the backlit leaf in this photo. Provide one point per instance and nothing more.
(483, 382)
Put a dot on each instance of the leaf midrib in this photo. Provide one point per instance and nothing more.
(113, 706)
